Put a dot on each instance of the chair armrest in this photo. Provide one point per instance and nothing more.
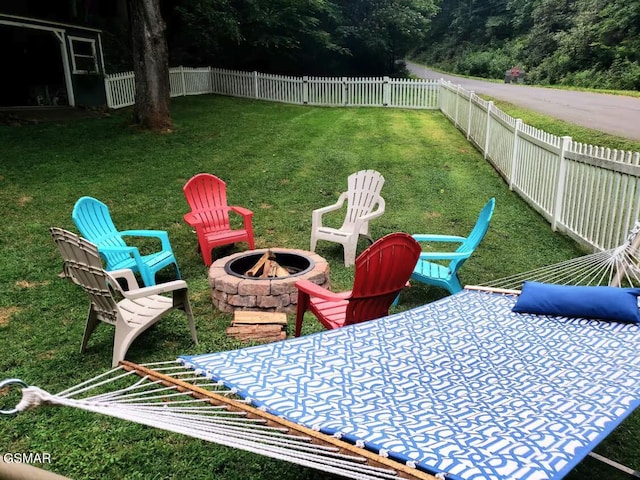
(159, 234)
(314, 290)
(443, 255)
(316, 215)
(333, 206)
(144, 233)
(133, 252)
(156, 289)
(376, 213)
(438, 238)
(126, 274)
(241, 211)
(129, 250)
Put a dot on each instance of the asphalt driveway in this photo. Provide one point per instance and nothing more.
(613, 114)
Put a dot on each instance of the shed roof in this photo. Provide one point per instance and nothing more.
(41, 24)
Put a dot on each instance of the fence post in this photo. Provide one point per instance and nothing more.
(210, 80)
(344, 91)
(488, 132)
(255, 84)
(514, 156)
(305, 90)
(455, 118)
(560, 182)
(214, 80)
(471, 94)
(183, 80)
(386, 92)
(107, 91)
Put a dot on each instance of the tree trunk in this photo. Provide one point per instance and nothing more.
(150, 65)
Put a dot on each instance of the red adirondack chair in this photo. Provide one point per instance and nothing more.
(206, 195)
(381, 272)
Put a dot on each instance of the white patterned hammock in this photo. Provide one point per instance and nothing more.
(462, 388)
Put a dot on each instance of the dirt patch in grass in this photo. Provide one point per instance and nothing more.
(6, 314)
(430, 215)
(48, 355)
(26, 284)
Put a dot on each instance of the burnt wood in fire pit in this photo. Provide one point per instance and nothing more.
(252, 265)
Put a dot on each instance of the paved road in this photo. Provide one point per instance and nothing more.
(614, 114)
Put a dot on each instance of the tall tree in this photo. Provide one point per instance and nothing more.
(150, 65)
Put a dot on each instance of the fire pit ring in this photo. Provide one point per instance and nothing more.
(232, 290)
(294, 262)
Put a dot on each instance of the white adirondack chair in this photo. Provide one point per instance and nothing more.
(139, 308)
(364, 203)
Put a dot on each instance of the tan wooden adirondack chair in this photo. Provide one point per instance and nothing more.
(139, 308)
(364, 203)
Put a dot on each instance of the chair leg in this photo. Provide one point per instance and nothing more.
(314, 242)
(92, 323)
(350, 252)
(123, 339)
(186, 307)
(207, 256)
(148, 277)
(454, 285)
(396, 300)
(303, 304)
(178, 276)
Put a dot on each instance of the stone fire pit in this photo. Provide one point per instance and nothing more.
(231, 290)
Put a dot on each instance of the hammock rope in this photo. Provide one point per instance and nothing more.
(166, 401)
(615, 267)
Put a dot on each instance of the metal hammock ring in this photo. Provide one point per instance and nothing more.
(7, 383)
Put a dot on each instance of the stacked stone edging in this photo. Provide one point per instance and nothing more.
(230, 293)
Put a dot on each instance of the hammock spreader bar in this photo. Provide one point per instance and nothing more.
(403, 471)
(199, 416)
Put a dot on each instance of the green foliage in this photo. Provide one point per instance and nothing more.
(380, 32)
(281, 161)
(307, 37)
(265, 35)
(586, 43)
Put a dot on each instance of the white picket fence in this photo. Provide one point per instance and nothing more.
(326, 91)
(590, 193)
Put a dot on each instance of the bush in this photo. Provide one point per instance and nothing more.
(624, 74)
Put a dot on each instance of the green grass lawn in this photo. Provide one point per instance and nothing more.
(282, 162)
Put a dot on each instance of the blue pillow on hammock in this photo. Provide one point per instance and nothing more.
(606, 303)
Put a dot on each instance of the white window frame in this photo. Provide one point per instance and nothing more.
(75, 55)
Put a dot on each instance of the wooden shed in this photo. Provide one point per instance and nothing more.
(50, 63)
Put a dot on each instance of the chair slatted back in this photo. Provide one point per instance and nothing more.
(206, 195)
(93, 219)
(363, 194)
(83, 266)
(476, 235)
(381, 272)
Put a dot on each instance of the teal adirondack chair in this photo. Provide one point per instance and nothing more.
(93, 219)
(445, 275)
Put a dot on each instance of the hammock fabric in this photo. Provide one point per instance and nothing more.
(462, 387)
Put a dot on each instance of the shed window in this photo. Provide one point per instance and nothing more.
(83, 55)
